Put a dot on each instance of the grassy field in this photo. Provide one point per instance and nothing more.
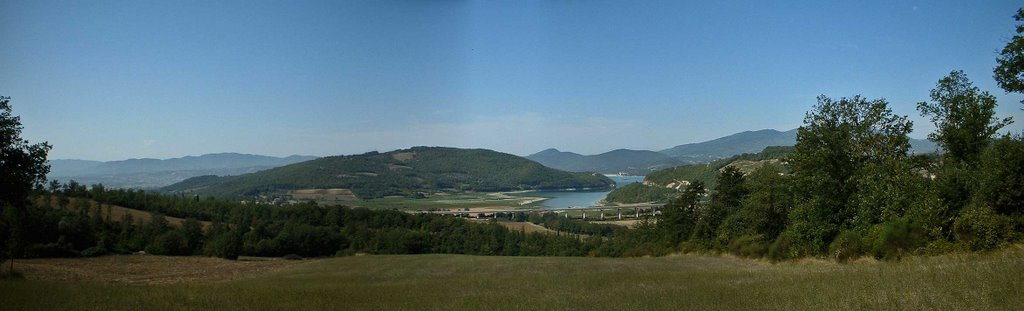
(442, 282)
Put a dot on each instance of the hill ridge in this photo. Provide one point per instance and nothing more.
(402, 172)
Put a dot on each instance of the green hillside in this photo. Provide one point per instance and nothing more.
(400, 172)
(653, 188)
(708, 172)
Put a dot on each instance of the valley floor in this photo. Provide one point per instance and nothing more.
(443, 282)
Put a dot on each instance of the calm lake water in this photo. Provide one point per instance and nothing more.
(562, 199)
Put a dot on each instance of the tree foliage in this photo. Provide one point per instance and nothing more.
(964, 118)
(838, 143)
(1009, 72)
(22, 167)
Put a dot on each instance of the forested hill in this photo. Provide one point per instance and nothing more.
(664, 184)
(399, 172)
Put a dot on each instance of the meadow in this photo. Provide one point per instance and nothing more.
(985, 281)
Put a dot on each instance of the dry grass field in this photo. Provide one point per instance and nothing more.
(453, 282)
(143, 269)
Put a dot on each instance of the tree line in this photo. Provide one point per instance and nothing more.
(854, 190)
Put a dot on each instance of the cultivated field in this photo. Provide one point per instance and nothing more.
(443, 282)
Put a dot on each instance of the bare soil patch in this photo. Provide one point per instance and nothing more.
(145, 269)
(403, 156)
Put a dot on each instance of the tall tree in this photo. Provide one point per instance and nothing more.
(677, 220)
(838, 139)
(1009, 72)
(964, 118)
(1002, 177)
(767, 207)
(22, 167)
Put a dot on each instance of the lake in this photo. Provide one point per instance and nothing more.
(562, 199)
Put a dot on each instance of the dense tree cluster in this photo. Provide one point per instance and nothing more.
(22, 167)
(82, 225)
(705, 173)
(854, 190)
(639, 193)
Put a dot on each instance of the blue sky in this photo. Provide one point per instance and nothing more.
(114, 80)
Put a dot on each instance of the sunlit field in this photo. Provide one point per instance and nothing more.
(976, 281)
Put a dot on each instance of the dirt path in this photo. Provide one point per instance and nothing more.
(146, 269)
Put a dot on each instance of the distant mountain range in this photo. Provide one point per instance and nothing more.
(155, 173)
(615, 161)
(397, 173)
(739, 143)
(641, 162)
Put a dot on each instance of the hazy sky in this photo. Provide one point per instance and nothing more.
(115, 80)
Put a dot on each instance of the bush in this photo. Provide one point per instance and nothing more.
(782, 248)
(980, 228)
(292, 257)
(168, 243)
(894, 238)
(94, 251)
(750, 246)
(847, 245)
(227, 245)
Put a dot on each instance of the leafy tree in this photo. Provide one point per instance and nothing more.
(679, 216)
(1009, 72)
(765, 211)
(22, 168)
(838, 139)
(964, 118)
(730, 190)
(192, 232)
(1002, 176)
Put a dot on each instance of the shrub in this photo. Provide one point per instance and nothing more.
(980, 228)
(94, 251)
(894, 238)
(168, 243)
(750, 246)
(292, 257)
(847, 245)
(782, 248)
(226, 245)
